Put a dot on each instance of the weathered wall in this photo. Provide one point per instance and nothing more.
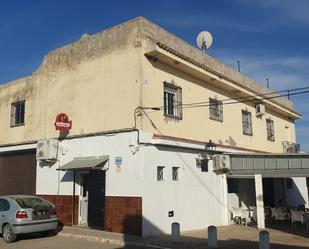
(95, 81)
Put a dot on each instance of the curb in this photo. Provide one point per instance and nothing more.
(110, 241)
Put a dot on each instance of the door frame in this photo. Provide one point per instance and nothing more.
(81, 181)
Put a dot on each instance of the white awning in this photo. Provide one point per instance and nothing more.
(85, 163)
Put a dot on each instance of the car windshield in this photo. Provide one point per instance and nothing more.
(34, 203)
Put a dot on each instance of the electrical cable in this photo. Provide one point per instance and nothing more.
(290, 92)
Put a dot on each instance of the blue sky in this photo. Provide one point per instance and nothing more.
(269, 38)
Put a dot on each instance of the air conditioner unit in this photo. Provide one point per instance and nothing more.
(259, 110)
(47, 150)
(221, 162)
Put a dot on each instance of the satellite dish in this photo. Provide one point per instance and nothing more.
(204, 40)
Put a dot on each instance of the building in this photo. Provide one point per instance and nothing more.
(112, 128)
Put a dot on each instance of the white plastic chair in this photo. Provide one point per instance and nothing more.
(279, 214)
(297, 216)
(237, 214)
(241, 216)
(246, 217)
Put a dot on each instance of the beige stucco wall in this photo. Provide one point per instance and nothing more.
(196, 124)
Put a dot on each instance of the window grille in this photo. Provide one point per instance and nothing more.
(172, 101)
(270, 129)
(18, 113)
(215, 109)
(246, 123)
(160, 171)
(175, 175)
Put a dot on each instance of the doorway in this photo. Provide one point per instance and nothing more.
(92, 198)
(83, 203)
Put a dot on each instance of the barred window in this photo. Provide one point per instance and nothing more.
(215, 109)
(18, 113)
(270, 129)
(246, 123)
(172, 101)
(175, 175)
(160, 171)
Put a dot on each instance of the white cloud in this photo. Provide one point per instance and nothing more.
(283, 12)
(283, 72)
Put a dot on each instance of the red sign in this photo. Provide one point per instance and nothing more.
(63, 123)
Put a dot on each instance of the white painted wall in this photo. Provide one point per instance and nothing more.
(124, 180)
(196, 198)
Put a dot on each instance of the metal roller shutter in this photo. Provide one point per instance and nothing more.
(18, 172)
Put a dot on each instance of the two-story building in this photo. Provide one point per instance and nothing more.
(112, 128)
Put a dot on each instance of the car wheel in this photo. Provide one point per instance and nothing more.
(8, 234)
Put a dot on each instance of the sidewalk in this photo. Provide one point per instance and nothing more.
(121, 240)
(117, 239)
(235, 236)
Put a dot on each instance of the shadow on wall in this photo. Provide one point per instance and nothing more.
(294, 196)
(132, 226)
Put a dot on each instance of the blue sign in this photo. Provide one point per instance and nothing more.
(118, 160)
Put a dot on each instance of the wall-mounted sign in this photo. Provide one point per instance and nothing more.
(63, 123)
(118, 160)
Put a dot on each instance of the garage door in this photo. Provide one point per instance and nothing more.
(18, 172)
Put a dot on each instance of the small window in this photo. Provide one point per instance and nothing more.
(289, 183)
(215, 109)
(160, 171)
(4, 205)
(246, 123)
(270, 130)
(18, 113)
(172, 101)
(232, 185)
(175, 175)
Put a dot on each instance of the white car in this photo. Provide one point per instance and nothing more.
(20, 214)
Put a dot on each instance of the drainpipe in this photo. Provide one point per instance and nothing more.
(73, 199)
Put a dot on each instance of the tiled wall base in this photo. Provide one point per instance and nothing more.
(64, 207)
(123, 214)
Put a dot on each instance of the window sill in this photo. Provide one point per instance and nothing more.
(17, 125)
(271, 139)
(172, 117)
(216, 119)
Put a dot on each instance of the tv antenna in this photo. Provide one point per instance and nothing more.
(204, 40)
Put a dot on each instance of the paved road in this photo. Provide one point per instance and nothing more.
(58, 242)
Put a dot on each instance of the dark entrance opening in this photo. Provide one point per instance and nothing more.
(96, 198)
(268, 192)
